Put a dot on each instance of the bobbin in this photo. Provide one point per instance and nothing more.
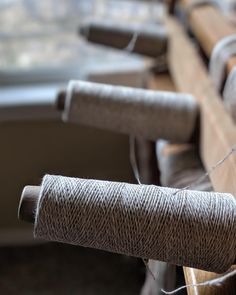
(149, 39)
(146, 113)
(28, 209)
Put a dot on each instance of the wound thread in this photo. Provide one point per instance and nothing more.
(151, 39)
(146, 113)
(191, 228)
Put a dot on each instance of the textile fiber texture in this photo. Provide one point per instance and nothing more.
(190, 228)
(145, 113)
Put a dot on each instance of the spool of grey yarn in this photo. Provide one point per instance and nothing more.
(191, 228)
(151, 38)
(146, 113)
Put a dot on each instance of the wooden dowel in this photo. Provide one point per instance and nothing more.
(28, 203)
(60, 100)
(151, 40)
(209, 26)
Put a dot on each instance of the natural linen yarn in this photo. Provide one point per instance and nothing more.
(151, 39)
(146, 113)
(191, 228)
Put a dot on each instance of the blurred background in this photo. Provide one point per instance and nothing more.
(40, 51)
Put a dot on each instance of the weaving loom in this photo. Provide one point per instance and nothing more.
(215, 135)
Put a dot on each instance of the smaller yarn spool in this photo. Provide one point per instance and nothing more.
(151, 39)
(191, 228)
(146, 113)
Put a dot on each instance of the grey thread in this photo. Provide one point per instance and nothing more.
(209, 172)
(213, 282)
(133, 159)
(134, 166)
(146, 113)
(194, 229)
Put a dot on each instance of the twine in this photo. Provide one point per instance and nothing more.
(145, 113)
(191, 228)
(221, 53)
(150, 39)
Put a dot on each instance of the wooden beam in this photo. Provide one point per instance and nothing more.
(217, 130)
(209, 26)
(193, 276)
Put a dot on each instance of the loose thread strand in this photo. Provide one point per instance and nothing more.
(209, 172)
(132, 42)
(215, 282)
(133, 159)
(134, 165)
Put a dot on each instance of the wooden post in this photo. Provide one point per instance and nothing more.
(217, 131)
(209, 26)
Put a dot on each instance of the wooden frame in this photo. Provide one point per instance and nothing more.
(209, 26)
(217, 130)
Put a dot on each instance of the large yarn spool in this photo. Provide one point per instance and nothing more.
(188, 228)
(150, 39)
(146, 113)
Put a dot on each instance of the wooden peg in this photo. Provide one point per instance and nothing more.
(60, 100)
(28, 203)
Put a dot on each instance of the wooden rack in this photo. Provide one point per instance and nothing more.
(217, 130)
(209, 26)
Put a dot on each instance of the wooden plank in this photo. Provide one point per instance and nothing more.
(193, 276)
(161, 82)
(209, 26)
(217, 130)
